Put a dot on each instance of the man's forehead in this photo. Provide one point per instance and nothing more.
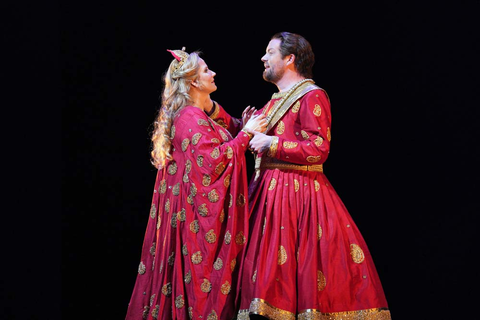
(273, 44)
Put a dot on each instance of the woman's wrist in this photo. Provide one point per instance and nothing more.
(250, 136)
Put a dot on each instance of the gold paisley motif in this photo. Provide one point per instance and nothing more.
(146, 310)
(163, 186)
(196, 137)
(296, 184)
(219, 168)
(215, 140)
(240, 238)
(233, 263)
(153, 211)
(224, 136)
(152, 248)
(218, 264)
(203, 122)
(212, 316)
(179, 302)
(317, 185)
(171, 259)
(289, 144)
(229, 152)
(190, 199)
(185, 250)
(215, 153)
(273, 183)
(203, 210)
(317, 111)
(188, 277)
(194, 226)
(321, 281)
(222, 216)
(200, 161)
(155, 312)
(282, 255)
(172, 168)
(319, 231)
(313, 159)
(167, 289)
(304, 135)
(226, 181)
(181, 215)
(329, 134)
(188, 166)
(225, 288)
(318, 141)
(254, 277)
(206, 286)
(173, 221)
(193, 190)
(230, 202)
(280, 127)
(185, 178)
(206, 180)
(176, 189)
(241, 201)
(190, 312)
(210, 236)
(167, 205)
(172, 132)
(228, 237)
(141, 268)
(159, 222)
(296, 107)
(357, 253)
(213, 196)
(185, 144)
(197, 257)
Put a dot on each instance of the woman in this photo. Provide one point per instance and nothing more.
(195, 238)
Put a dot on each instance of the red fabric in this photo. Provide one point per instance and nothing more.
(211, 191)
(288, 207)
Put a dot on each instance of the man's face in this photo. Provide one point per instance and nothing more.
(273, 62)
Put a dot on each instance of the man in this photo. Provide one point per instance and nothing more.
(306, 258)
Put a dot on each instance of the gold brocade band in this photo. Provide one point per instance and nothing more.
(263, 308)
(272, 151)
(277, 164)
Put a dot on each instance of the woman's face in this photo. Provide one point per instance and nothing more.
(205, 81)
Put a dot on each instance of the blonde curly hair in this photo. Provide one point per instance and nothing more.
(175, 97)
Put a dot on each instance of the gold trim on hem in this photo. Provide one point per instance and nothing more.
(263, 308)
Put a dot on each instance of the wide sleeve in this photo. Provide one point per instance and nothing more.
(311, 143)
(223, 118)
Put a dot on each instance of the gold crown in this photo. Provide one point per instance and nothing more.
(181, 56)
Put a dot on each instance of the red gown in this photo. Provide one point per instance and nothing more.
(196, 234)
(305, 258)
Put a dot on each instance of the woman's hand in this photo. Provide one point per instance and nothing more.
(256, 122)
(247, 114)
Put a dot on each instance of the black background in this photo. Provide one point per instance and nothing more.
(403, 82)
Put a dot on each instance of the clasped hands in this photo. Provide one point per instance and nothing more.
(256, 124)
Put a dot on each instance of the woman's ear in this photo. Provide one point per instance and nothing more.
(194, 83)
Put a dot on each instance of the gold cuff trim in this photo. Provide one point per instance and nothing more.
(250, 136)
(277, 164)
(272, 151)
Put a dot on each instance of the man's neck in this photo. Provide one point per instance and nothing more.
(288, 82)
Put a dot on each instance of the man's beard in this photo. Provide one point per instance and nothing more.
(272, 75)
